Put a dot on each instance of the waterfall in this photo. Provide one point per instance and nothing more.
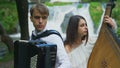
(57, 15)
(57, 18)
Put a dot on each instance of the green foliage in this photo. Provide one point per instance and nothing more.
(7, 57)
(96, 15)
(116, 16)
(8, 16)
(118, 32)
(99, 0)
(57, 3)
(43, 1)
(95, 12)
(79, 6)
(85, 0)
(94, 0)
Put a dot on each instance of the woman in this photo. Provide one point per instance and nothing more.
(77, 43)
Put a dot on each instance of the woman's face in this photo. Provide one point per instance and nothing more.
(82, 28)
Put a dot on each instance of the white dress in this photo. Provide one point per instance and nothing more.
(80, 55)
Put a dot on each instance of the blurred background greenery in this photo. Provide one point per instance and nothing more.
(9, 16)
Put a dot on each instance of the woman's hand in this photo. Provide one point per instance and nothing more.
(109, 20)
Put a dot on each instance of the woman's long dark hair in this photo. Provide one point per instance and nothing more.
(72, 30)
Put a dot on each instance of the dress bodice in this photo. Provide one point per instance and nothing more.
(80, 55)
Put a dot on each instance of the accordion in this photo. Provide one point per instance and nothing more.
(25, 50)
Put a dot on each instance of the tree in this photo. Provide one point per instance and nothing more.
(6, 39)
(22, 8)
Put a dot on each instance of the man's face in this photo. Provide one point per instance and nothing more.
(39, 20)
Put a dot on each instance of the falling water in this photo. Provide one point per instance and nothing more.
(57, 16)
(61, 11)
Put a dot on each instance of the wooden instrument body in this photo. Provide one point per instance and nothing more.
(106, 52)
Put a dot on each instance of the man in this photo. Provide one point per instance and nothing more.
(39, 15)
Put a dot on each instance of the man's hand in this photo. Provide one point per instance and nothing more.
(109, 21)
